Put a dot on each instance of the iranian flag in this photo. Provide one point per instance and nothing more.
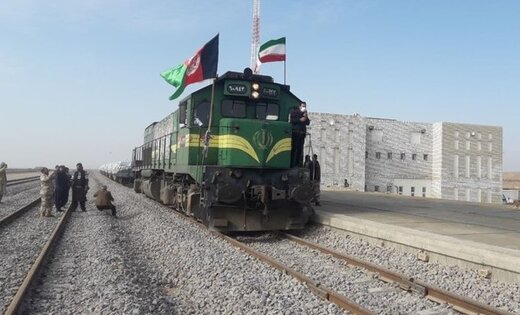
(273, 50)
(202, 66)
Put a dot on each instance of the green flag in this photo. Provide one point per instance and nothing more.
(176, 77)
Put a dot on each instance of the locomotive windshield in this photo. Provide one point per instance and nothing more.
(233, 109)
(267, 111)
(238, 109)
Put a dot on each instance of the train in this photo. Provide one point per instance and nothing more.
(120, 171)
(224, 157)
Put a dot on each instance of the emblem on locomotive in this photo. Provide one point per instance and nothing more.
(263, 139)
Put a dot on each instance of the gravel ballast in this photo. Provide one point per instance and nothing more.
(150, 261)
(465, 282)
(18, 196)
(20, 243)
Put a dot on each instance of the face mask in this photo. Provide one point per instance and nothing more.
(303, 109)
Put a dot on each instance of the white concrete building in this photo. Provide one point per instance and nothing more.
(441, 160)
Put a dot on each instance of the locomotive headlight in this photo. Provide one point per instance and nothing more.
(255, 90)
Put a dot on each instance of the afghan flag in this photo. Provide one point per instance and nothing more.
(273, 50)
(202, 66)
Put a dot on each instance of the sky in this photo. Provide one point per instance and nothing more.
(79, 80)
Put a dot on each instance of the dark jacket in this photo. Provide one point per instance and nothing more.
(80, 179)
(315, 169)
(62, 181)
(297, 125)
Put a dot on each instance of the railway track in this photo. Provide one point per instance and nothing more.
(389, 281)
(16, 214)
(21, 181)
(27, 243)
(420, 290)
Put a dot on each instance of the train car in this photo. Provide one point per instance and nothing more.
(224, 157)
(120, 171)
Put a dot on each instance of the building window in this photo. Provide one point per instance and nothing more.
(490, 168)
(400, 190)
(468, 161)
(402, 156)
(414, 156)
(456, 143)
(425, 157)
(366, 154)
(412, 191)
(479, 166)
(456, 166)
(389, 188)
(389, 155)
(378, 155)
(424, 191)
(376, 188)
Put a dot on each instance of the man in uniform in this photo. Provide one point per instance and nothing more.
(3, 179)
(315, 169)
(79, 188)
(104, 200)
(299, 121)
(46, 192)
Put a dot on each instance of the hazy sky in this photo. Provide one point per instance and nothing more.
(79, 80)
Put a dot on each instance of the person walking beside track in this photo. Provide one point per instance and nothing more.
(3, 179)
(104, 200)
(79, 188)
(46, 192)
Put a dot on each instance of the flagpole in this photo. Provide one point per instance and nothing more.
(208, 131)
(284, 73)
(284, 61)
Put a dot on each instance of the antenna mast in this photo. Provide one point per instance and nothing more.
(255, 36)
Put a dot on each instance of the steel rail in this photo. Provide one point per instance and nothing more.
(315, 287)
(13, 216)
(459, 303)
(34, 272)
(21, 181)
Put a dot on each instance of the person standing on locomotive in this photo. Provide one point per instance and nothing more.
(79, 188)
(299, 121)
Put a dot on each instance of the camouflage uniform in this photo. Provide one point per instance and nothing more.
(3, 179)
(46, 193)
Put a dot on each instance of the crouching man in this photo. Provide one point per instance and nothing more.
(104, 200)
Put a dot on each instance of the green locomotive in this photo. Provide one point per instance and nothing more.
(224, 157)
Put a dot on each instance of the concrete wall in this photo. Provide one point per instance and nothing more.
(339, 142)
(446, 160)
(409, 146)
(471, 162)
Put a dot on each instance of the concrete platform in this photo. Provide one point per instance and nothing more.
(475, 235)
